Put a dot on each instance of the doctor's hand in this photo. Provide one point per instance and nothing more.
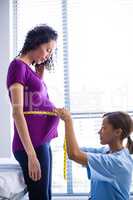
(63, 113)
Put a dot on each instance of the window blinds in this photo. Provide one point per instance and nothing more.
(94, 68)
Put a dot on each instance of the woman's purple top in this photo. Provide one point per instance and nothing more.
(42, 128)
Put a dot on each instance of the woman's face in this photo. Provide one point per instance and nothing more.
(43, 52)
(107, 132)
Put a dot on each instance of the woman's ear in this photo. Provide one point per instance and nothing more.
(118, 132)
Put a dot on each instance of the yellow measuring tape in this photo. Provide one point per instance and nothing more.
(39, 112)
(64, 147)
(65, 160)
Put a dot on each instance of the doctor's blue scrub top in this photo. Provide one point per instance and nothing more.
(110, 174)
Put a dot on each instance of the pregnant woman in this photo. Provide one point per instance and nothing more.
(28, 94)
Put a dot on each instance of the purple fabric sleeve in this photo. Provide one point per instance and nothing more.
(16, 73)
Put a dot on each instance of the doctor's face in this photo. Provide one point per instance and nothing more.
(107, 132)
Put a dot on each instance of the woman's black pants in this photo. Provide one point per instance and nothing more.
(38, 190)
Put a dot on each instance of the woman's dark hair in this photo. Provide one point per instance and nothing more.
(124, 121)
(39, 35)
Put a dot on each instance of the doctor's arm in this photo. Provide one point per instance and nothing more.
(73, 150)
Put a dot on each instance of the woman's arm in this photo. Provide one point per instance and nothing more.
(17, 105)
(73, 150)
(19, 119)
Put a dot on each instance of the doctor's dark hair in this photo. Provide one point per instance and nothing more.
(123, 121)
(40, 34)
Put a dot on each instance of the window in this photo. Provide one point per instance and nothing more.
(93, 72)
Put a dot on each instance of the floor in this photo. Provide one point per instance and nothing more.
(65, 198)
(70, 198)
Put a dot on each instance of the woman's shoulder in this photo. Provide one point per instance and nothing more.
(123, 160)
(17, 62)
(16, 66)
(17, 72)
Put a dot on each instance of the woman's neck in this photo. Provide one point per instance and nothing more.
(116, 146)
(26, 58)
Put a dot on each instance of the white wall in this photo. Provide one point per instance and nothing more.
(4, 62)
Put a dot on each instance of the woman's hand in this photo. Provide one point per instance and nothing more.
(39, 68)
(63, 113)
(34, 168)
